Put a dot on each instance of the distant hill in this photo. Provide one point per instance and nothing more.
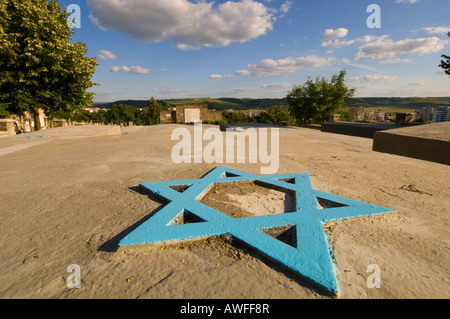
(412, 103)
(387, 103)
(218, 104)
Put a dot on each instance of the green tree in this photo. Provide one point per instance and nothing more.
(3, 112)
(121, 114)
(445, 64)
(99, 117)
(276, 115)
(237, 117)
(315, 101)
(113, 115)
(39, 65)
(150, 115)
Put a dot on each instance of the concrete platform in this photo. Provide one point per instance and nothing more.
(355, 129)
(429, 142)
(11, 144)
(70, 197)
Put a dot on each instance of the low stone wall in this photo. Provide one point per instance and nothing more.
(429, 142)
(7, 127)
(355, 129)
(178, 116)
(166, 117)
(212, 116)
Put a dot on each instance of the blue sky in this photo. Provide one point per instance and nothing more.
(260, 49)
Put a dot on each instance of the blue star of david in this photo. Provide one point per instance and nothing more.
(311, 256)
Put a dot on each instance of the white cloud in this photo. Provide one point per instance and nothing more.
(271, 67)
(187, 47)
(394, 60)
(132, 69)
(285, 8)
(219, 76)
(331, 34)
(357, 65)
(106, 55)
(406, 1)
(375, 78)
(189, 24)
(243, 73)
(338, 43)
(437, 30)
(276, 85)
(387, 48)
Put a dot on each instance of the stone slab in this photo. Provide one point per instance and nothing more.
(355, 129)
(430, 142)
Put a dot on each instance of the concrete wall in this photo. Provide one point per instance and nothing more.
(60, 123)
(354, 129)
(429, 142)
(7, 127)
(178, 116)
(166, 117)
(181, 108)
(212, 116)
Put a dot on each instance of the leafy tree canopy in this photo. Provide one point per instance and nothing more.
(150, 114)
(121, 114)
(276, 115)
(39, 65)
(315, 101)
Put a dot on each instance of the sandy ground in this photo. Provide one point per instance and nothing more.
(69, 197)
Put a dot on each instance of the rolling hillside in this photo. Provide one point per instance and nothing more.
(387, 104)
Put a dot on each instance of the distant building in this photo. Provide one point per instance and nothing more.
(334, 118)
(359, 112)
(390, 117)
(442, 114)
(190, 113)
(425, 114)
(253, 114)
(375, 115)
(92, 109)
(401, 118)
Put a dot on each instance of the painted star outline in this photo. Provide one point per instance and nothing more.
(311, 258)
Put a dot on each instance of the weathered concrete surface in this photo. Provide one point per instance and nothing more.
(429, 142)
(19, 142)
(355, 129)
(70, 196)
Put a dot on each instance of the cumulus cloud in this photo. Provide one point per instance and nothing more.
(395, 60)
(106, 55)
(285, 8)
(276, 85)
(189, 24)
(406, 1)
(331, 34)
(271, 67)
(132, 69)
(375, 78)
(219, 76)
(387, 48)
(338, 43)
(346, 61)
(437, 30)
